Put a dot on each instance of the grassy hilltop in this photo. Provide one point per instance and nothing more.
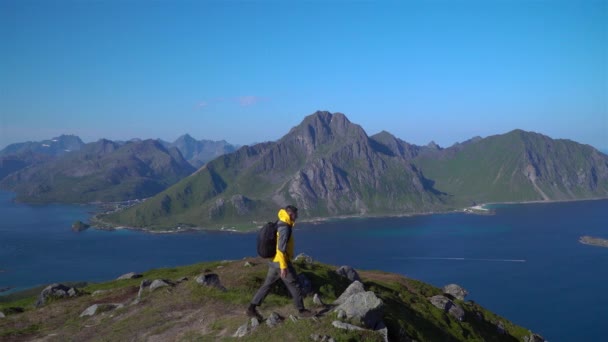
(188, 311)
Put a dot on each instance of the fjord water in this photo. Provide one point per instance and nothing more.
(524, 262)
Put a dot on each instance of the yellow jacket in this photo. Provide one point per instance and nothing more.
(284, 240)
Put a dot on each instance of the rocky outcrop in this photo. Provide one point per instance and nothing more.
(355, 287)
(79, 226)
(307, 259)
(455, 291)
(130, 275)
(316, 299)
(142, 286)
(210, 279)
(241, 331)
(99, 308)
(274, 319)
(445, 304)
(364, 307)
(349, 273)
(55, 291)
(2, 314)
(346, 326)
(158, 283)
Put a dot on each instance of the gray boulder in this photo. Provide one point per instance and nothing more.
(2, 314)
(273, 320)
(130, 275)
(99, 292)
(182, 279)
(355, 287)
(241, 331)
(349, 273)
(98, 308)
(341, 314)
(445, 304)
(158, 283)
(316, 299)
(55, 291)
(248, 264)
(455, 291)
(346, 326)
(210, 279)
(142, 286)
(500, 328)
(254, 323)
(307, 259)
(364, 307)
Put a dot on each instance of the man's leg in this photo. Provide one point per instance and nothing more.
(291, 282)
(272, 276)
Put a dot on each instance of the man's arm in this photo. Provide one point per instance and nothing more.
(282, 257)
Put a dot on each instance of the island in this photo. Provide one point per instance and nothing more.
(79, 226)
(594, 241)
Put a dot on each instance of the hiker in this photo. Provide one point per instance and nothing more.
(281, 267)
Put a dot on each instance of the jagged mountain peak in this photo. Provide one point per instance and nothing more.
(322, 127)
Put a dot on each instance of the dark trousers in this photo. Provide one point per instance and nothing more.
(290, 281)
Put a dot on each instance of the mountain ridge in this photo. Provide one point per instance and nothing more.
(329, 167)
(103, 171)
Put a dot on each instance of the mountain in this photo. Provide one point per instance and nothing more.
(101, 171)
(517, 166)
(198, 152)
(53, 147)
(181, 303)
(18, 156)
(327, 166)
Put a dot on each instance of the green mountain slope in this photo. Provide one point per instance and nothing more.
(517, 166)
(101, 171)
(188, 311)
(326, 165)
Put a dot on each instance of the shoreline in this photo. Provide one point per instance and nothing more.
(479, 209)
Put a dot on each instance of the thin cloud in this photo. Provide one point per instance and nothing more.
(243, 101)
(246, 101)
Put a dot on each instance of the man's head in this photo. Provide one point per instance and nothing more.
(292, 211)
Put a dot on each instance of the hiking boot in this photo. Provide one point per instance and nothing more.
(253, 312)
(305, 313)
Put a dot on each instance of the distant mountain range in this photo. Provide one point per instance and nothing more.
(328, 167)
(103, 171)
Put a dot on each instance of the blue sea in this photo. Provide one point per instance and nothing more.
(524, 262)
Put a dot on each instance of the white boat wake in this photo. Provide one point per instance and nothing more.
(461, 259)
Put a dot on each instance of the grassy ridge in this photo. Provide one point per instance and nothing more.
(194, 313)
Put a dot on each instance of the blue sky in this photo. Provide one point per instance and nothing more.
(248, 71)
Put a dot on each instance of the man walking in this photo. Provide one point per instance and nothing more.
(281, 266)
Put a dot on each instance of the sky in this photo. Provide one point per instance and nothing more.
(248, 71)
